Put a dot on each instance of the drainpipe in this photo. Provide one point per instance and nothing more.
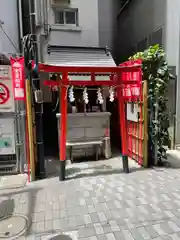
(20, 107)
(20, 28)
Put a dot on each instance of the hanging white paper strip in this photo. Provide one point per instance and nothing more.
(85, 96)
(71, 94)
(111, 94)
(99, 96)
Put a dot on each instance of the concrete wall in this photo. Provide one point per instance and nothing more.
(173, 52)
(172, 32)
(87, 34)
(140, 19)
(97, 25)
(107, 12)
(8, 14)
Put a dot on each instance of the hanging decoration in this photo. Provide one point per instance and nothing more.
(99, 96)
(71, 95)
(111, 94)
(85, 96)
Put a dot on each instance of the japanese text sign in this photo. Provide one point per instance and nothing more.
(18, 78)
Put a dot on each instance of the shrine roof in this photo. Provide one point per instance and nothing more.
(79, 56)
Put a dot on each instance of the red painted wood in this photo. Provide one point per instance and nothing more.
(141, 126)
(51, 83)
(63, 122)
(91, 83)
(123, 128)
(81, 69)
(128, 73)
(75, 69)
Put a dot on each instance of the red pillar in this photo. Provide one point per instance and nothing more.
(123, 130)
(63, 125)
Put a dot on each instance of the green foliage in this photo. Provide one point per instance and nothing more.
(155, 70)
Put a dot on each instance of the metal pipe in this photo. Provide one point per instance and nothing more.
(30, 129)
(40, 173)
(19, 17)
(21, 106)
(17, 137)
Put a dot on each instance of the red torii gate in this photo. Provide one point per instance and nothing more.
(119, 76)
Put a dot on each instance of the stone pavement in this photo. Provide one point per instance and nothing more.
(99, 202)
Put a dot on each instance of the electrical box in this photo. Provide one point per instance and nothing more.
(6, 90)
(7, 136)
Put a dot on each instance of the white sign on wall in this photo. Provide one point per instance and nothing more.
(7, 138)
(6, 90)
(132, 112)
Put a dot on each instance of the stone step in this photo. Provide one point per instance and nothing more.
(13, 181)
(173, 158)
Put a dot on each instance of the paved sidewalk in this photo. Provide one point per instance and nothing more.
(99, 202)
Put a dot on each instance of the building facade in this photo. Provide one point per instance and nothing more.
(84, 25)
(9, 27)
(12, 122)
(142, 23)
(80, 23)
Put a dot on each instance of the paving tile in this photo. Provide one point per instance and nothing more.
(127, 235)
(98, 228)
(144, 233)
(94, 217)
(48, 225)
(139, 205)
(136, 234)
(86, 232)
(114, 226)
(174, 236)
(151, 231)
(110, 236)
(101, 237)
(106, 228)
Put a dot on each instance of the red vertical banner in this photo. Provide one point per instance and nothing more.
(131, 78)
(18, 78)
(131, 89)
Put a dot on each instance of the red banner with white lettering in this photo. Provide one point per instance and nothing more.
(131, 78)
(18, 78)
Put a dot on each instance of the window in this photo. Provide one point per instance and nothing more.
(66, 17)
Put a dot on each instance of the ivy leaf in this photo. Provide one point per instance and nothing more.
(155, 69)
(161, 72)
(159, 80)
